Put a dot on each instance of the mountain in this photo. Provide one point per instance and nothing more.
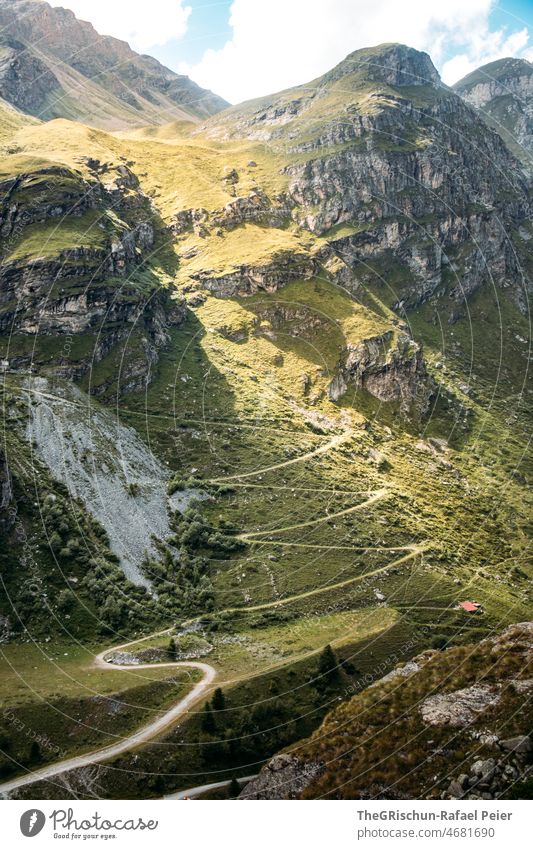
(372, 149)
(54, 66)
(503, 93)
(265, 384)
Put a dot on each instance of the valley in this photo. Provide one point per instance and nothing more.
(266, 421)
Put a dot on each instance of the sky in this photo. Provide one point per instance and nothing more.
(246, 48)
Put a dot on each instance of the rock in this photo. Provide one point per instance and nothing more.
(484, 768)
(439, 444)
(523, 685)
(337, 387)
(378, 458)
(284, 777)
(388, 366)
(459, 708)
(488, 739)
(248, 279)
(455, 790)
(521, 745)
(7, 517)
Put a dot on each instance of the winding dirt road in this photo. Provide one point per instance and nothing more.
(142, 735)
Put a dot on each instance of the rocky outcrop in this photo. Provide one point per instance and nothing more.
(46, 193)
(6, 493)
(25, 81)
(284, 777)
(282, 267)
(380, 147)
(390, 367)
(461, 707)
(452, 746)
(75, 289)
(491, 778)
(256, 208)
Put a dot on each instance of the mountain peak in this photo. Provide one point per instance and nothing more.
(501, 71)
(392, 64)
(503, 92)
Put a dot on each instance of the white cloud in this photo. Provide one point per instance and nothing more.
(280, 43)
(142, 23)
(493, 46)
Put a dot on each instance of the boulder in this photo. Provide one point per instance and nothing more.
(522, 745)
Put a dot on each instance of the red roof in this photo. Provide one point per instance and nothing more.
(470, 606)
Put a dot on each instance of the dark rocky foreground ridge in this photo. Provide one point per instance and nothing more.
(452, 724)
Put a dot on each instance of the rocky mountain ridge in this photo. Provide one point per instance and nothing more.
(47, 56)
(502, 91)
(87, 273)
(374, 145)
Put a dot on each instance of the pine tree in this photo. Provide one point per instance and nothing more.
(171, 648)
(218, 702)
(208, 720)
(328, 667)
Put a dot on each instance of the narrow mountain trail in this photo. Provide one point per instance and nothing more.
(414, 551)
(377, 496)
(142, 735)
(322, 449)
(193, 792)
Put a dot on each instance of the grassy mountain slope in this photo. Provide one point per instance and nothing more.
(452, 724)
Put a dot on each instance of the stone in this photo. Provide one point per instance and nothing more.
(283, 777)
(483, 768)
(455, 789)
(459, 708)
(521, 745)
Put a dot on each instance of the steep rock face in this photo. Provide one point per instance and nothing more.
(408, 207)
(503, 93)
(249, 279)
(255, 207)
(42, 34)
(284, 777)
(390, 367)
(71, 248)
(6, 492)
(25, 81)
